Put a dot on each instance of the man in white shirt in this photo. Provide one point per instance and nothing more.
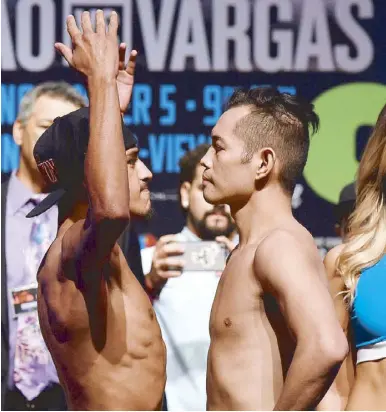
(183, 299)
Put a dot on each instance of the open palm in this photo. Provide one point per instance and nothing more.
(125, 78)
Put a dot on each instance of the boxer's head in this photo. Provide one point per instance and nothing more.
(261, 139)
(139, 178)
(60, 154)
(205, 220)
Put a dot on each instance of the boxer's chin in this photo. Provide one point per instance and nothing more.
(212, 196)
(141, 208)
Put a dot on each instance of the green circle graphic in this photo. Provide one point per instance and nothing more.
(342, 110)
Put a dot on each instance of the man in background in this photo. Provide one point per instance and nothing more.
(25, 386)
(183, 298)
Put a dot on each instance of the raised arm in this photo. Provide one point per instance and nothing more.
(293, 278)
(95, 54)
(337, 396)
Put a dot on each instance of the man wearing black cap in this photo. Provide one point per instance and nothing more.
(96, 319)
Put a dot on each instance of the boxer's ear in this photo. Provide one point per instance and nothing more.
(266, 159)
(184, 195)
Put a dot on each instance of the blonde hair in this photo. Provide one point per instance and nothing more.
(366, 237)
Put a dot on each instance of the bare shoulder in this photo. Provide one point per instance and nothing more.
(331, 258)
(57, 290)
(70, 237)
(335, 280)
(283, 244)
(288, 255)
(50, 267)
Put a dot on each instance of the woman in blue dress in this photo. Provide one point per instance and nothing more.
(357, 274)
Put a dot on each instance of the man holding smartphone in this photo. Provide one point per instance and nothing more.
(182, 272)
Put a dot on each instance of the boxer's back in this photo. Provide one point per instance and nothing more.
(104, 338)
(251, 345)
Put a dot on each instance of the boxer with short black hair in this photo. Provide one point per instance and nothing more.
(96, 319)
(276, 342)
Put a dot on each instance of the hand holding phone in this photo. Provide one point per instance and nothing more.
(167, 262)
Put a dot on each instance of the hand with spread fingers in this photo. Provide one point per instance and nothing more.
(93, 53)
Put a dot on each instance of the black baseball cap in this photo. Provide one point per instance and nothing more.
(346, 204)
(60, 153)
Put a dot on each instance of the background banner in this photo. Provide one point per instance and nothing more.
(193, 54)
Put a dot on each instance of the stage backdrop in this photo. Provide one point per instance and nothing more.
(193, 54)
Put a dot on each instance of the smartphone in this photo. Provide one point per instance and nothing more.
(204, 256)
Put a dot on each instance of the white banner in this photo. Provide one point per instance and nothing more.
(216, 35)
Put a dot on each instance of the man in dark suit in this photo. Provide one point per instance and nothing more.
(27, 383)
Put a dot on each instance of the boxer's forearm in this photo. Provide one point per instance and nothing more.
(106, 165)
(308, 379)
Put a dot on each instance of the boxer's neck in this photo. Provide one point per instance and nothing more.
(265, 210)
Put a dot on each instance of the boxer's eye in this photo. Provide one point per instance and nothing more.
(217, 148)
(217, 143)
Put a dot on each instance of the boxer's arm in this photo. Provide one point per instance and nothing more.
(106, 175)
(292, 277)
(337, 396)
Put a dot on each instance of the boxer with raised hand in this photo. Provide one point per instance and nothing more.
(96, 319)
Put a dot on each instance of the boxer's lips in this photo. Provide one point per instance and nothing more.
(145, 190)
(206, 179)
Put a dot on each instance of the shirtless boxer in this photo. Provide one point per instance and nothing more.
(276, 342)
(96, 319)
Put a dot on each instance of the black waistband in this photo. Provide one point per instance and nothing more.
(51, 398)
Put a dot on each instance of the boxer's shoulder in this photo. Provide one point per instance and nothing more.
(275, 242)
(283, 249)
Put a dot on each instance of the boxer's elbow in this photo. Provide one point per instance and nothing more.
(112, 215)
(332, 349)
(111, 211)
(109, 202)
